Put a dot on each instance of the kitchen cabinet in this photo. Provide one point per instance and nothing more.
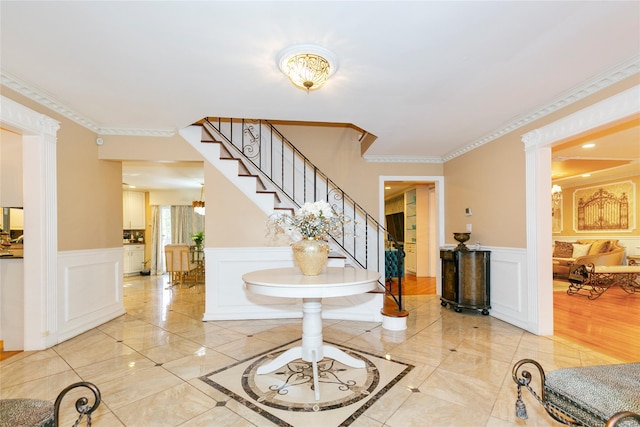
(465, 279)
(133, 259)
(410, 257)
(133, 210)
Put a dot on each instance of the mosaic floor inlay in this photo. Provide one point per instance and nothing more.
(286, 395)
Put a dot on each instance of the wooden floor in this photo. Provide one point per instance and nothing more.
(413, 285)
(7, 354)
(610, 323)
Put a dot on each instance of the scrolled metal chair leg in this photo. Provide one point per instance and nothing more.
(82, 404)
(523, 379)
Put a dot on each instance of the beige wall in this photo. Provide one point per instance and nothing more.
(336, 151)
(147, 148)
(232, 220)
(89, 190)
(235, 221)
(491, 181)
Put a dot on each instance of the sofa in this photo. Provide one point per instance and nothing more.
(589, 251)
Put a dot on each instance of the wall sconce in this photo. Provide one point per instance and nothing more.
(556, 197)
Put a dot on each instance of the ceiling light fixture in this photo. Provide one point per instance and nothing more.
(307, 66)
(589, 145)
(198, 205)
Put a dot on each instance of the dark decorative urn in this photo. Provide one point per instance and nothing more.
(461, 238)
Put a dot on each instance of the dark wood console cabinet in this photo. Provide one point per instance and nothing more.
(465, 279)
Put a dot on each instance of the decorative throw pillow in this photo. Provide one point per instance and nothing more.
(563, 249)
(580, 250)
(598, 247)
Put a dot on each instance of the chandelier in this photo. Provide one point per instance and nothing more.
(198, 205)
(307, 66)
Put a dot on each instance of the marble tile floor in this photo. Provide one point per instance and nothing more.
(148, 363)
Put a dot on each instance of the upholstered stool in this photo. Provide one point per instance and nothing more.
(42, 413)
(588, 395)
(26, 412)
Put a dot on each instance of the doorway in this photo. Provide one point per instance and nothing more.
(419, 201)
(538, 145)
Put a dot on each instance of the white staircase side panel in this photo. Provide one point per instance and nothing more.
(227, 298)
(229, 168)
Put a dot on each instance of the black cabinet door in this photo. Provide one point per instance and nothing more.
(473, 278)
(465, 279)
(449, 276)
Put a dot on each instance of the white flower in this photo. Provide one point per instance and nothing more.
(315, 220)
(318, 209)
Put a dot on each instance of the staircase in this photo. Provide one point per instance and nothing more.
(269, 170)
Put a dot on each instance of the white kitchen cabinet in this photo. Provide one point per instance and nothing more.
(410, 261)
(133, 259)
(133, 216)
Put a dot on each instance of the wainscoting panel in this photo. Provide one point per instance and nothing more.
(89, 290)
(227, 299)
(509, 292)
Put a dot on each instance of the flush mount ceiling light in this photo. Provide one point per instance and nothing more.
(307, 66)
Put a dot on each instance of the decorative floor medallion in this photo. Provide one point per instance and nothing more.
(286, 396)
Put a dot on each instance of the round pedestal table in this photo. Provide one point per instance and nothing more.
(290, 283)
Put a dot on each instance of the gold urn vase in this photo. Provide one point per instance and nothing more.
(311, 256)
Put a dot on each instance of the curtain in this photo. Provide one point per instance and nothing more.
(184, 223)
(157, 249)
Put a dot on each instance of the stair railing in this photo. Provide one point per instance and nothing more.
(292, 175)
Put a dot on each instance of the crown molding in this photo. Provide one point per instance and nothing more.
(616, 107)
(372, 158)
(17, 116)
(37, 95)
(591, 86)
(165, 133)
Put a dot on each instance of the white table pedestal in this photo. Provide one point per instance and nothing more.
(312, 349)
(287, 282)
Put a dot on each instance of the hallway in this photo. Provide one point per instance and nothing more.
(152, 364)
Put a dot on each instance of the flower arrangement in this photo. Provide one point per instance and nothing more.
(312, 221)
